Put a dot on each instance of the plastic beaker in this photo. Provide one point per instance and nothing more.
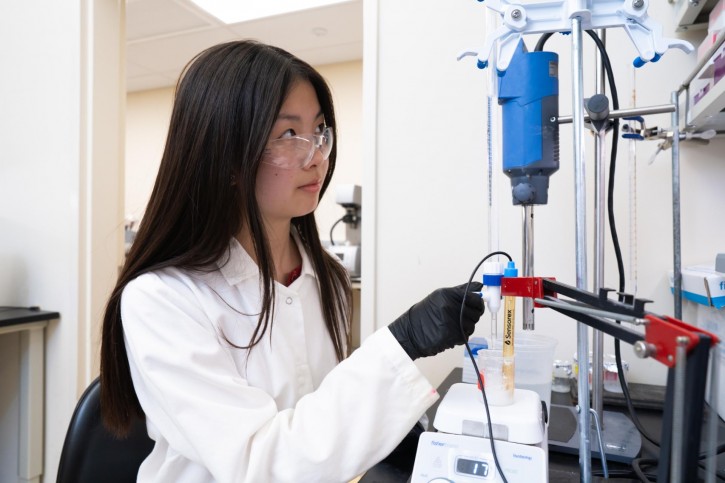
(497, 374)
(534, 356)
(562, 372)
(610, 375)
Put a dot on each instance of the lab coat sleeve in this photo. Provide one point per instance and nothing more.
(193, 395)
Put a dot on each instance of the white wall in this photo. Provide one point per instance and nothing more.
(60, 216)
(147, 122)
(428, 173)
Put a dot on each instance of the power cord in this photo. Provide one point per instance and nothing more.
(342, 218)
(475, 366)
(613, 231)
(638, 463)
(612, 225)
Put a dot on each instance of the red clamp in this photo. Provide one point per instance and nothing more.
(662, 334)
(531, 287)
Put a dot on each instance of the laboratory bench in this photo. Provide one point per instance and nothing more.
(563, 467)
(30, 323)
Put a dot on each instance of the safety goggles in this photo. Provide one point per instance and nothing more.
(297, 152)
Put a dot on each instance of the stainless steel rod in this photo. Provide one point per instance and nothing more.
(600, 140)
(678, 410)
(588, 310)
(676, 238)
(585, 457)
(598, 269)
(633, 111)
(599, 427)
(527, 267)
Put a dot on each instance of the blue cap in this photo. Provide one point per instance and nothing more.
(492, 279)
(511, 270)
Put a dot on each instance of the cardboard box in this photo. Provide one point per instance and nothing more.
(703, 285)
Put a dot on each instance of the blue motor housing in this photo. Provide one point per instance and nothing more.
(529, 95)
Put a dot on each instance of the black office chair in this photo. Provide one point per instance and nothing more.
(91, 454)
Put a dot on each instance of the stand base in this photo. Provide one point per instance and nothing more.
(621, 440)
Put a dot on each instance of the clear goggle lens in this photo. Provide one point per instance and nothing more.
(298, 151)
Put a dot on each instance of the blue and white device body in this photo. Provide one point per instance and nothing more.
(528, 92)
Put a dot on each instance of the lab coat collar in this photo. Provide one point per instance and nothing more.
(237, 265)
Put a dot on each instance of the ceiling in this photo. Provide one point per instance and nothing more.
(163, 35)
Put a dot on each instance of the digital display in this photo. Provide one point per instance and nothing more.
(472, 467)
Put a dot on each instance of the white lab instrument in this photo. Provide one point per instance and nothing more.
(461, 450)
(349, 196)
(443, 458)
(349, 255)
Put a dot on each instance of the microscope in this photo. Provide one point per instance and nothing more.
(349, 196)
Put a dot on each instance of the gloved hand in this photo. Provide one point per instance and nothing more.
(432, 325)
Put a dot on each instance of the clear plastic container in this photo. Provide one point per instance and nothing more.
(610, 376)
(497, 373)
(561, 377)
(534, 358)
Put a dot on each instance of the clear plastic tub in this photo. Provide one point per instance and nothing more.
(534, 359)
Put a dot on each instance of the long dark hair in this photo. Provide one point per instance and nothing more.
(226, 103)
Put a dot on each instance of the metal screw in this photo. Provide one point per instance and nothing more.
(552, 119)
(638, 4)
(516, 13)
(643, 350)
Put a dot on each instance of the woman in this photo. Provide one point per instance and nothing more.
(229, 324)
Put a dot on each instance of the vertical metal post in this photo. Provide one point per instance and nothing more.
(599, 231)
(598, 269)
(711, 464)
(676, 243)
(585, 457)
(527, 266)
(678, 410)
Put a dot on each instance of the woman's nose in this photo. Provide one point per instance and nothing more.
(317, 158)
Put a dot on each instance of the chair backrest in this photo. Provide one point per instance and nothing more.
(92, 454)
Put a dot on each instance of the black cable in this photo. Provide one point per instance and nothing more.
(617, 250)
(626, 473)
(612, 222)
(719, 450)
(475, 366)
(332, 241)
(542, 40)
(637, 464)
(613, 230)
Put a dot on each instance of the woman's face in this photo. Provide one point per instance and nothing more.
(287, 192)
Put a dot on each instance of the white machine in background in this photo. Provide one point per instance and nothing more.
(349, 196)
(461, 451)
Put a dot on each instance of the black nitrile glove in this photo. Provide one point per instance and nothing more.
(432, 325)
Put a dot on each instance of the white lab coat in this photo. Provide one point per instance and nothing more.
(284, 411)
